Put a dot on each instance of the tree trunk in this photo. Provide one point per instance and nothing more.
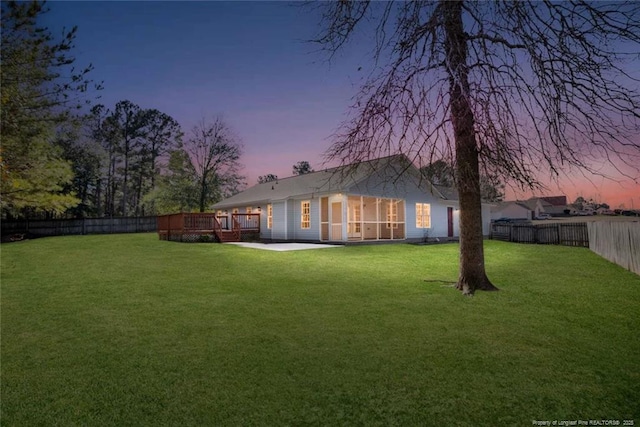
(98, 196)
(125, 178)
(203, 192)
(472, 271)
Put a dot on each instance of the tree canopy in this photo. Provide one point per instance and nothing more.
(262, 179)
(302, 167)
(41, 90)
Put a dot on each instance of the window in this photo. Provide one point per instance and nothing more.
(269, 216)
(305, 217)
(423, 215)
(392, 214)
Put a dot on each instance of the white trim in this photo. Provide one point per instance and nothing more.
(302, 214)
(286, 222)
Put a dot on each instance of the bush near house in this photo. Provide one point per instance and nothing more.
(130, 330)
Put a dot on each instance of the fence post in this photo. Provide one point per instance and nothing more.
(559, 227)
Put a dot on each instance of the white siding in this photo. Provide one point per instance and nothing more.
(407, 189)
(512, 210)
(278, 232)
(292, 218)
(297, 232)
(265, 233)
(486, 223)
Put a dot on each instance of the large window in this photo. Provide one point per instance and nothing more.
(269, 216)
(423, 215)
(305, 217)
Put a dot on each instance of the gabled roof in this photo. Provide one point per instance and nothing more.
(337, 180)
(531, 203)
(555, 200)
(503, 205)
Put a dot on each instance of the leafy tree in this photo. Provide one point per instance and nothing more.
(134, 139)
(510, 88)
(104, 129)
(163, 135)
(215, 152)
(85, 157)
(440, 172)
(40, 90)
(178, 186)
(129, 122)
(267, 178)
(302, 167)
(491, 189)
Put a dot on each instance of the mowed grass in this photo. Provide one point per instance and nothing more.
(130, 330)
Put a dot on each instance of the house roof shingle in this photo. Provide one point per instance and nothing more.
(338, 179)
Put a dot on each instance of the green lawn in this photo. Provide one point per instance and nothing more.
(130, 330)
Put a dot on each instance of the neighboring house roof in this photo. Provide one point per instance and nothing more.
(531, 203)
(503, 205)
(544, 203)
(555, 200)
(338, 179)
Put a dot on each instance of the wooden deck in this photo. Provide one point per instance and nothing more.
(206, 227)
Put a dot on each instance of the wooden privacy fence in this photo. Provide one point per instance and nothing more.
(62, 227)
(618, 242)
(567, 234)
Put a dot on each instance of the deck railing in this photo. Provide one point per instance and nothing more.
(186, 226)
(246, 222)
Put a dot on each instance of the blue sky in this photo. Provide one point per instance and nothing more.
(249, 62)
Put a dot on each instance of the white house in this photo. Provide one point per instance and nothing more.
(382, 199)
(511, 210)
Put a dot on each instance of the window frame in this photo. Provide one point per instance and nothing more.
(423, 215)
(305, 214)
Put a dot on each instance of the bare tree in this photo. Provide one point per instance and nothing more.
(509, 88)
(215, 153)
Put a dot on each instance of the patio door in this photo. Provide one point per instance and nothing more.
(336, 221)
(354, 226)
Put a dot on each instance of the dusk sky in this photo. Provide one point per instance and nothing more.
(249, 62)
